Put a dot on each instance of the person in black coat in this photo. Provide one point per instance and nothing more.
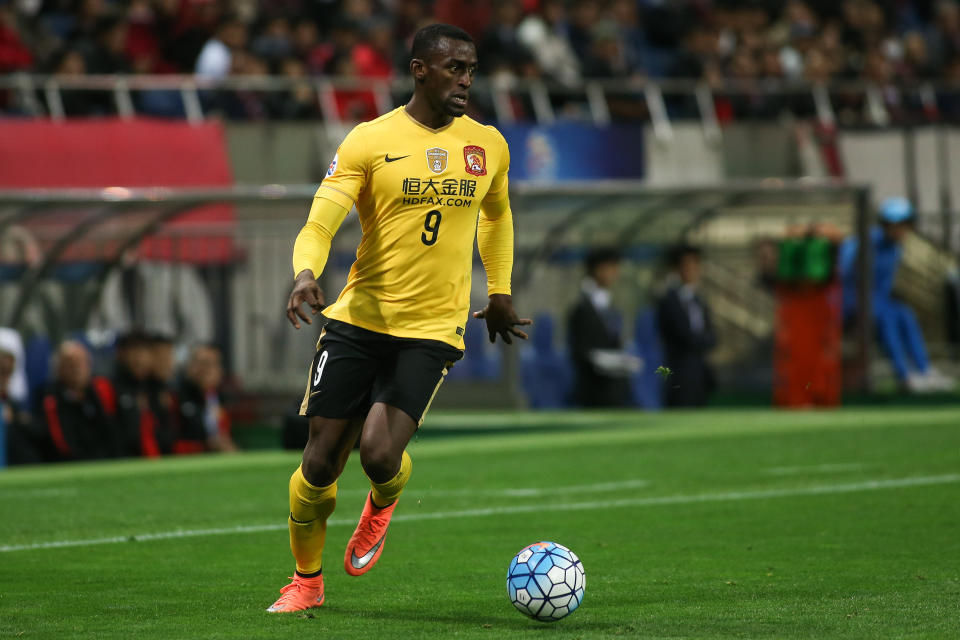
(160, 391)
(131, 379)
(602, 368)
(686, 331)
(203, 422)
(79, 409)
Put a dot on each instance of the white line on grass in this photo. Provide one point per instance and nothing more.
(534, 492)
(814, 468)
(867, 485)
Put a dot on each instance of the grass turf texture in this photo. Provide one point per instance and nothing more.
(690, 525)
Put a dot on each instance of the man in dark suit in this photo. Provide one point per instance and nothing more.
(686, 331)
(602, 367)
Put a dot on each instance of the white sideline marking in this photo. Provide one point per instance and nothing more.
(535, 492)
(866, 485)
(814, 468)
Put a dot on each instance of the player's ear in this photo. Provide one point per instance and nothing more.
(418, 69)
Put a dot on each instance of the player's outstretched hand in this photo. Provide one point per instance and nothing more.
(502, 319)
(305, 289)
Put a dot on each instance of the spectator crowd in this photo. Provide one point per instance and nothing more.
(144, 409)
(737, 46)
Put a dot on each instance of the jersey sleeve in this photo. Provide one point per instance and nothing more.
(495, 243)
(495, 229)
(499, 187)
(348, 171)
(312, 246)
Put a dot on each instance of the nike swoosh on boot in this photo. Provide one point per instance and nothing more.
(361, 562)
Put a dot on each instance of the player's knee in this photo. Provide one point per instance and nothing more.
(319, 468)
(378, 461)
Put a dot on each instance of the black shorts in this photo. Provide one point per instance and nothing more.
(354, 368)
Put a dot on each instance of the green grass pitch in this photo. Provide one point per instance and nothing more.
(716, 524)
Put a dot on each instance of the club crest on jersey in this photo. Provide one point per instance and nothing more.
(437, 159)
(333, 165)
(476, 159)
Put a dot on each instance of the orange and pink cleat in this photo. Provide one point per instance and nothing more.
(302, 593)
(366, 544)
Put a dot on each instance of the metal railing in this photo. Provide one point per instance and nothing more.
(42, 95)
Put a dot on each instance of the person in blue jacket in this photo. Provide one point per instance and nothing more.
(896, 325)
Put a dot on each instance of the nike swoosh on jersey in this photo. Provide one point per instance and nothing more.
(387, 158)
(360, 563)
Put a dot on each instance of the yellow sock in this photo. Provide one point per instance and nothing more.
(388, 492)
(310, 507)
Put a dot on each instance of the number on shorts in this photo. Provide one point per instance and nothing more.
(431, 225)
(321, 362)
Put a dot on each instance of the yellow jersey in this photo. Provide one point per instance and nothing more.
(418, 192)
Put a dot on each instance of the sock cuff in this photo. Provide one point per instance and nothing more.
(310, 574)
(390, 490)
(302, 488)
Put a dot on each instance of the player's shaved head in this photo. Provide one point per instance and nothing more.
(427, 40)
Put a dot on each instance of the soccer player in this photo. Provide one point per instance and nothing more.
(425, 181)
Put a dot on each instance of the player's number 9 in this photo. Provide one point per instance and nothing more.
(432, 226)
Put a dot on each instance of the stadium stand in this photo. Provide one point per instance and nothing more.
(883, 62)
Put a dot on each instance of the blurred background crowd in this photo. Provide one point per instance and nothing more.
(725, 42)
(145, 406)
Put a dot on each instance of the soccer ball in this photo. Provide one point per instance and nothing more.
(545, 581)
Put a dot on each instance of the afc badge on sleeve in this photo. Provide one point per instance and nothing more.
(476, 159)
(333, 165)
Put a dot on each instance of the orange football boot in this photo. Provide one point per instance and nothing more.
(302, 593)
(366, 543)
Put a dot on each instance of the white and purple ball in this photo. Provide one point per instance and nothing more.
(545, 581)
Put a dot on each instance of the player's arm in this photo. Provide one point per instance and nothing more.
(338, 192)
(310, 252)
(495, 242)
